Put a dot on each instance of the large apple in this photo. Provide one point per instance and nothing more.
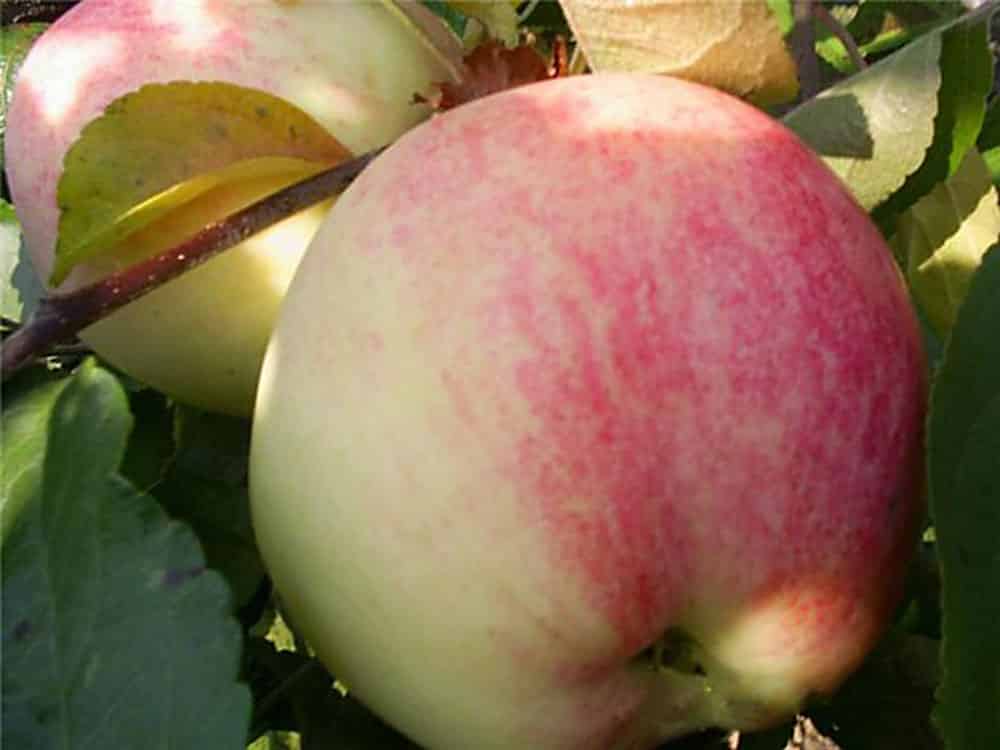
(592, 417)
(353, 67)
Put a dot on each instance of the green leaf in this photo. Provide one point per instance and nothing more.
(158, 148)
(277, 741)
(151, 446)
(497, 17)
(966, 78)
(24, 439)
(206, 487)
(15, 42)
(20, 289)
(898, 128)
(874, 128)
(941, 240)
(964, 443)
(782, 10)
(10, 244)
(114, 634)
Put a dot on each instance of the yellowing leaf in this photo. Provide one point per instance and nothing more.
(736, 45)
(164, 145)
(943, 237)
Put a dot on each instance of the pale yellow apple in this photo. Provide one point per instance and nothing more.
(352, 66)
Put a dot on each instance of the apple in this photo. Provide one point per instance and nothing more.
(353, 67)
(592, 417)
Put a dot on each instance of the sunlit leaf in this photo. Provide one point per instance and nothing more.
(966, 66)
(874, 128)
(737, 46)
(941, 240)
(166, 144)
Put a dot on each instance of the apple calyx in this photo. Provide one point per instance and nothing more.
(690, 690)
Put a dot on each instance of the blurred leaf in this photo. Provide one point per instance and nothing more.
(966, 66)
(547, 18)
(989, 136)
(455, 20)
(160, 147)
(941, 240)
(878, 28)
(114, 635)
(277, 741)
(963, 447)
(989, 140)
(15, 42)
(874, 128)
(20, 288)
(10, 244)
(497, 17)
(206, 487)
(783, 13)
(736, 46)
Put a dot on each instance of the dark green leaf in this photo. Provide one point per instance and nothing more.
(964, 446)
(966, 78)
(151, 444)
(15, 41)
(114, 634)
(206, 487)
(296, 689)
(989, 140)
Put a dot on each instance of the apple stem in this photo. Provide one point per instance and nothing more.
(60, 317)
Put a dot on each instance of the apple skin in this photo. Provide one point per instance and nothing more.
(352, 66)
(592, 371)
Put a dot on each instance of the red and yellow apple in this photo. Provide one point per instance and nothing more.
(592, 417)
(353, 67)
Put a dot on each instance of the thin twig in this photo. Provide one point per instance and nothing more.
(59, 317)
(840, 31)
(803, 44)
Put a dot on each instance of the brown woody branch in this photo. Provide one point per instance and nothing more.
(60, 317)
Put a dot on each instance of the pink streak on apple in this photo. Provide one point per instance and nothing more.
(631, 402)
